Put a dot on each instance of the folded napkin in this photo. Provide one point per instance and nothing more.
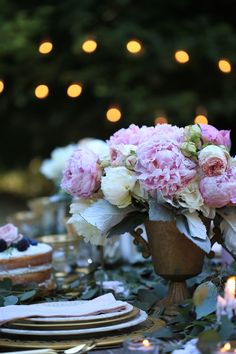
(102, 304)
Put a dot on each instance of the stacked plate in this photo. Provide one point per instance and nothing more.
(68, 326)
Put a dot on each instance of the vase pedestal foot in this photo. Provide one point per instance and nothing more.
(177, 293)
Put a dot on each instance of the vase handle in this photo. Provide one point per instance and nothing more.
(138, 239)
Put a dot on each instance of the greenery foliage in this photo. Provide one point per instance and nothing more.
(144, 86)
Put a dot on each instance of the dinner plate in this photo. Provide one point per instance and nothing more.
(141, 317)
(75, 325)
(128, 308)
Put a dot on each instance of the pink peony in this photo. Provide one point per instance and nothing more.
(212, 135)
(9, 233)
(162, 167)
(81, 177)
(130, 136)
(218, 191)
(169, 132)
(135, 136)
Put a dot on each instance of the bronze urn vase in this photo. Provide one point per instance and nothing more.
(175, 258)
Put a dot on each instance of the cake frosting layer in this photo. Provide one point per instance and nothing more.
(33, 256)
(40, 248)
(20, 271)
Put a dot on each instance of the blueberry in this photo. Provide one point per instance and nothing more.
(23, 244)
(33, 242)
(3, 245)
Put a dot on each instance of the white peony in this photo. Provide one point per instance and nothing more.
(117, 186)
(89, 232)
(98, 146)
(52, 168)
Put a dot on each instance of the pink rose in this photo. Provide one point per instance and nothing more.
(9, 233)
(219, 191)
(213, 160)
(81, 177)
(212, 135)
(162, 167)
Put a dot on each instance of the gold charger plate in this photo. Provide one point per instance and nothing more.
(70, 325)
(115, 339)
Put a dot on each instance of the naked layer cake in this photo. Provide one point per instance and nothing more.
(23, 260)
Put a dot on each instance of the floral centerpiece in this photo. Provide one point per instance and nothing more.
(162, 173)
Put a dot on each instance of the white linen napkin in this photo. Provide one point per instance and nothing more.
(102, 304)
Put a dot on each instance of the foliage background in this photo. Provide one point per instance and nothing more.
(144, 85)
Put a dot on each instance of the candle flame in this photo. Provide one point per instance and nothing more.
(231, 285)
(225, 348)
(146, 343)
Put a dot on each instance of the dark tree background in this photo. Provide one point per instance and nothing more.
(143, 85)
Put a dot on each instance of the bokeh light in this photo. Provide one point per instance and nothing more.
(113, 115)
(74, 90)
(45, 47)
(160, 120)
(134, 46)
(41, 91)
(89, 46)
(224, 66)
(1, 86)
(181, 56)
(201, 119)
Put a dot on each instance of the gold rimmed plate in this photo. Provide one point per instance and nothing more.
(141, 317)
(75, 325)
(114, 339)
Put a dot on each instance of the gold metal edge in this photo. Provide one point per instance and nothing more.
(62, 325)
(115, 339)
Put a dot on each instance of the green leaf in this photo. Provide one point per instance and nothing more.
(159, 212)
(207, 341)
(128, 224)
(27, 295)
(163, 332)
(204, 298)
(104, 215)
(148, 296)
(6, 284)
(183, 226)
(226, 328)
(10, 300)
(90, 294)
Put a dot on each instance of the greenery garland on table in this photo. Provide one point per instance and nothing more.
(196, 317)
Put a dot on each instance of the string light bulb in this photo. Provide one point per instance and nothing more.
(160, 120)
(134, 46)
(45, 47)
(181, 56)
(41, 91)
(89, 46)
(1, 86)
(224, 66)
(74, 90)
(113, 114)
(201, 119)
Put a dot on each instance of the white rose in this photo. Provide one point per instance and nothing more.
(98, 146)
(89, 232)
(213, 160)
(191, 198)
(117, 186)
(52, 168)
